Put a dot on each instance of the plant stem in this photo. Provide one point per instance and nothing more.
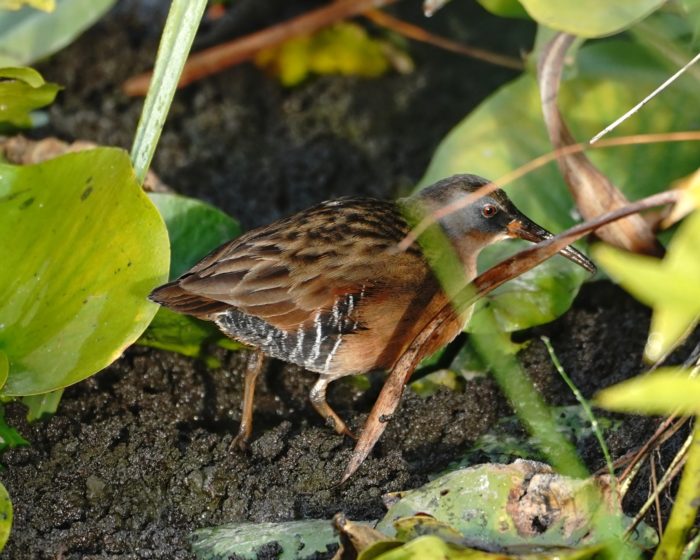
(180, 29)
(585, 404)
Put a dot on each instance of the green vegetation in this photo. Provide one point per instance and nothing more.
(88, 245)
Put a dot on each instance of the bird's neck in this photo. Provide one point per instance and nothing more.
(452, 257)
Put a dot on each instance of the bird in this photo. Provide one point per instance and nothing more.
(327, 289)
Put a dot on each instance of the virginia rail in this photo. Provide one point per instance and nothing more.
(328, 290)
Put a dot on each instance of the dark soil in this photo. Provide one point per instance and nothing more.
(137, 456)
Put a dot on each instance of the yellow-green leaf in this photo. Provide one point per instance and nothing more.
(344, 48)
(44, 5)
(590, 18)
(689, 189)
(5, 516)
(21, 91)
(664, 391)
(87, 246)
(670, 286)
(434, 548)
(4, 368)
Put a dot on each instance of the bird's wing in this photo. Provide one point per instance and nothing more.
(329, 259)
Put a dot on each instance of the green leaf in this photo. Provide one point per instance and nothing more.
(21, 91)
(87, 248)
(670, 286)
(590, 18)
(433, 548)
(5, 516)
(433, 542)
(194, 227)
(507, 131)
(9, 436)
(505, 8)
(42, 406)
(433, 382)
(491, 506)
(177, 333)
(29, 35)
(242, 539)
(4, 368)
(185, 335)
(536, 297)
(691, 10)
(665, 391)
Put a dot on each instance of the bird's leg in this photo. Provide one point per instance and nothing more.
(318, 399)
(256, 361)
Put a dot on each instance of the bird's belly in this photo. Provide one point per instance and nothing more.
(393, 335)
(312, 347)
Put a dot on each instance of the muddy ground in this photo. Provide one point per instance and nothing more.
(137, 457)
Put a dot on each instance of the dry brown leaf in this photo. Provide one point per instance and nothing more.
(593, 192)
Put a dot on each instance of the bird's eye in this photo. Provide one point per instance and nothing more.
(489, 211)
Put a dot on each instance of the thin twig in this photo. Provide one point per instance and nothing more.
(419, 34)
(655, 492)
(214, 59)
(644, 101)
(540, 161)
(671, 473)
(662, 432)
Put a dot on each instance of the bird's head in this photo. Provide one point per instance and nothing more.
(486, 220)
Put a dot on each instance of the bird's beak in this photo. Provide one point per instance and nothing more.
(523, 227)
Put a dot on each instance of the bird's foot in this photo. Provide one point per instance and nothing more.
(240, 442)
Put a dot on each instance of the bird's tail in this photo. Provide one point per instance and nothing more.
(173, 296)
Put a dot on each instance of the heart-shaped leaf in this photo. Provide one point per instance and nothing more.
(195, 229)
(86, 247)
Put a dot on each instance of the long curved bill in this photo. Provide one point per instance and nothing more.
(523, 227)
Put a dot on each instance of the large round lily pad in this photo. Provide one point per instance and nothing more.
(82, 248)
